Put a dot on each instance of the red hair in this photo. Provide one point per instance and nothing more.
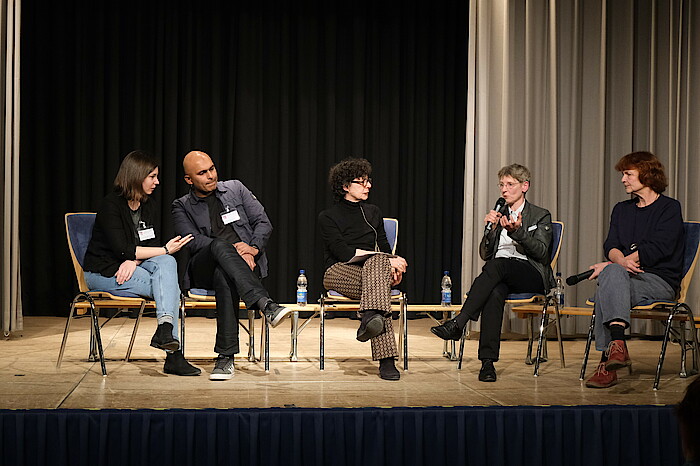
(651, 170)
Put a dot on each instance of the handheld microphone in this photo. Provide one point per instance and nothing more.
(500, 204)
(574, 279)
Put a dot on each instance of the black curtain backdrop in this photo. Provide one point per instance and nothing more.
(274, 92)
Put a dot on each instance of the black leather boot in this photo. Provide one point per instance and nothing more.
(163, 338)
(175, 363)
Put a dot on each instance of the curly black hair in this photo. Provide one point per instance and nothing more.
(343, 172)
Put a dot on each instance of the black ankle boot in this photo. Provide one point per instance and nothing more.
(388, 370)
(371, 325)
(163, 338)
(175, 363)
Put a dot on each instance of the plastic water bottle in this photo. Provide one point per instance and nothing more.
(302, 291)
(446, 286)
(559, 291)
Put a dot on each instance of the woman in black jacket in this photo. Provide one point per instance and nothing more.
(125, 254)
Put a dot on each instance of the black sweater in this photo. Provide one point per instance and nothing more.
(658, 233)
(344, 229)
(114, 235)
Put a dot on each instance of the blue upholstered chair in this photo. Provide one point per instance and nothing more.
(79, 231)
(546, 300)
(669, 311)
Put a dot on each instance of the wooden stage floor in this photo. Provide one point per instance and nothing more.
(29, 379)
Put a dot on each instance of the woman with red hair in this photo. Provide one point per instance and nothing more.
(644, 248)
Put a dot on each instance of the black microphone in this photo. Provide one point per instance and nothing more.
(574, 279)
(500, 204)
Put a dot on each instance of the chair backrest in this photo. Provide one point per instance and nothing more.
(557, 234)
(690, 257)
(391, 227)
(79, 231)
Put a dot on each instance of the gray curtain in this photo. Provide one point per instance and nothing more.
(9, 273)
(567, 87)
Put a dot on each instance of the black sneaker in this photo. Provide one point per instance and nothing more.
(223, 368)
(163, 338)
(175, 363)
(275, 313)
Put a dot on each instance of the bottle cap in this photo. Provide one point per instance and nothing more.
(304, 271)
(446, 272)
(558, 274)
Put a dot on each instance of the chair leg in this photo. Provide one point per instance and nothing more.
(251, 335)
(267, 344)
(293, 356)
(65, 332)
(664, 344)
(530, 339)
(136, 328)
(557, 317)
(588, 347)
(98, 338)
(182, 324)
(684, 347)
(541, 339)
(403, 321)
(322, 314)
(461, 349)
(694, 335)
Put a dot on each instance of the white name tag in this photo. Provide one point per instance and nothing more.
(147, 233)
(533, 227)
(230, 217)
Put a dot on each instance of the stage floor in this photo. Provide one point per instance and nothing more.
(29, 379)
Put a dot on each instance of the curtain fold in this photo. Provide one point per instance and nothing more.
(567, 88)
(10, 273)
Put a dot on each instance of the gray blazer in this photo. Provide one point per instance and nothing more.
(533, 238)
(191, 215)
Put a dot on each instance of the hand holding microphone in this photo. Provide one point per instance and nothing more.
(499, 208)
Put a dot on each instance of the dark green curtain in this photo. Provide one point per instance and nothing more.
(274, 92)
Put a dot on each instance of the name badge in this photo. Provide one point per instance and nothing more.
(533, 227)
(230, 217)
(146, 233)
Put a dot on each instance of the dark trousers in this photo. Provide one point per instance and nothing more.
(498, 279)
(221, 268)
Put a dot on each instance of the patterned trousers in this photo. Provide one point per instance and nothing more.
(371, 284)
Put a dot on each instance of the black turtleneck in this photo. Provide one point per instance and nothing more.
(344, 229)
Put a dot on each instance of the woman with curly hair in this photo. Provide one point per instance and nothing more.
(353, 224)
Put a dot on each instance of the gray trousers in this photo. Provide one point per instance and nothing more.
(618, 292)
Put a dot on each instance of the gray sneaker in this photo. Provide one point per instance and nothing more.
(223, 368)
(275, 313)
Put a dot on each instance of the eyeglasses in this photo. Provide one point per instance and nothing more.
(364, 182)
(508, 185)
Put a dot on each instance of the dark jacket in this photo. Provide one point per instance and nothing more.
(191, 215)
(344, 229)
(533, 238)
(114, 235)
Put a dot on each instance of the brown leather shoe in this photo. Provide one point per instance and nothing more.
(618, 356)
(602, 378)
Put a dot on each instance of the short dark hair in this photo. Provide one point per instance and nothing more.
(342, 173)
(134, 169)
(651, 170)
(688, 413)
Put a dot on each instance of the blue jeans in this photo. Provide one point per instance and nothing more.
(618, 292)
(154, 278)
